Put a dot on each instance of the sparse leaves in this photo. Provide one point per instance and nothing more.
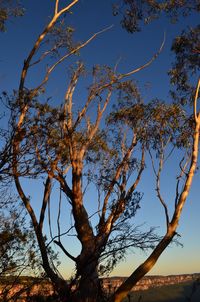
(137, 13)
(186, 48)
(9, 9)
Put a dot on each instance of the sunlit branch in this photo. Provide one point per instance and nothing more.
(56, 7)
(94, 129)
(83, 111)
(195, 101)
(182, 173)
(74, 51)
(192, 168)
(59, 177)
(38, 42)
(117, 78)
(146, 64)
(67, 8)
(25, 199)
(67, 110)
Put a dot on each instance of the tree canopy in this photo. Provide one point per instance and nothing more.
(93, 147)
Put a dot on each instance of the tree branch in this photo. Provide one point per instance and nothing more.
(65, 251)
(47, 192)
(115, 178)
(50, 69)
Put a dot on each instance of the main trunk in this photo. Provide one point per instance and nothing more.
(89, 286)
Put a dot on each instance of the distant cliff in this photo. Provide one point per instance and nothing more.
(28, 286)
(110, 284)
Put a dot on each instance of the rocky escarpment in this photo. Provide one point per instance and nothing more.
(20, 289)
(110, 284)
(32, 287)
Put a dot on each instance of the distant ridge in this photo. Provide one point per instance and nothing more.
(150, 281)
(43, 287)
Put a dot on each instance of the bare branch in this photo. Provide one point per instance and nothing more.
(65, 251)
(46, 53)
(67, 110)
(49, 219)
(67, 8)
(94, 129)
(146, 64)
(122, 76)
(158, 189)
(61, 235)
(113, 182)
(83, 111)
(56, 7)
(47, 192)
(59, 212)
(38, 42)
(66, 189)
(157, 175)
(183, 169)
(50, 69)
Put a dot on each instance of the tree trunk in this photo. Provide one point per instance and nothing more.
(89, 287)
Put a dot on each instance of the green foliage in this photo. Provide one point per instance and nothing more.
(155, 124)
(61, 38)
(18, 251)
(136, 13)
(186, 48)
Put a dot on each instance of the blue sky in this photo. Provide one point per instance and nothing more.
(133, 50)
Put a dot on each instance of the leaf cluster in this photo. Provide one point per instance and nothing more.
(9, 9)
(18, 251)
(156, 123)
(136, 13)
(186, 48)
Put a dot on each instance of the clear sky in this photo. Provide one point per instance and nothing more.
(133, 50)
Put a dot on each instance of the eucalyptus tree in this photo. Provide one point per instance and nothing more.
(67, 146)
